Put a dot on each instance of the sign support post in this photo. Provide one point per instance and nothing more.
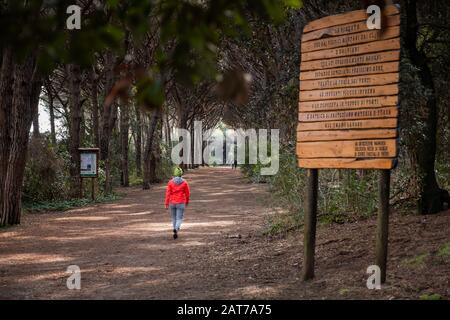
(383, 222)
(93, 189)
(309, 238)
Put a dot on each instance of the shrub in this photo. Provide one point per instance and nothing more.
(45, 178)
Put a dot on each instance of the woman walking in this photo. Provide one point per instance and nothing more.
(177, 199)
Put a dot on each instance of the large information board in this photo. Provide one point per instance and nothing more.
(348, 109)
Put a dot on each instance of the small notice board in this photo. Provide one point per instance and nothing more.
(89, 162)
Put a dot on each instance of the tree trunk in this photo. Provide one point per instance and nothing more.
(169, 138)
(138, 142)
(148, 150)
(109, 115)
(20, 87)
(108, 161)
(94, 102)
(429, 192)
(124, 127)
(155, 158)
(36, 131)
(6, 95)
(107, 107)
(51, 110)
(74, 73)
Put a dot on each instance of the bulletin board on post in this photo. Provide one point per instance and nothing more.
(348, 110)
(89, 162)
(89, 166)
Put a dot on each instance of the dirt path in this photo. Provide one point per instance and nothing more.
(125, 250)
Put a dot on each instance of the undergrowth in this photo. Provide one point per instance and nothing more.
(63, 205)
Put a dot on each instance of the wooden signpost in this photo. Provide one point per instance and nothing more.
(89, 166)
(348, 110)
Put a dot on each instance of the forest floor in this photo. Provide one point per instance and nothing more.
(125, 250)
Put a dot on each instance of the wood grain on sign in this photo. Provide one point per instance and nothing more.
(348, 114)
(346, 134)
(382, 45)
(351, 39)
(330, 94)
(380, 148)
(388, 112)
(350, 61)
(348, 28)
(348, 104)
(351, 71)
(353, 16)
(357, 81)
(347, 163)
(348, 124)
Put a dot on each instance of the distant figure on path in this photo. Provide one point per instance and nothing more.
(234, 165)
(177, 198)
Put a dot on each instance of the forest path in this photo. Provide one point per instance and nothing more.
(125, 250)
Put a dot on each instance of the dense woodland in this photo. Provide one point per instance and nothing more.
(137, 69)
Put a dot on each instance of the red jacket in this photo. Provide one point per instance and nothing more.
(177, 193)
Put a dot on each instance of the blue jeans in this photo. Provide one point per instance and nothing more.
(177, 211)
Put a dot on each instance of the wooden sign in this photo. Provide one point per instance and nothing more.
(360, 60)
(349, 92)
(348, 112)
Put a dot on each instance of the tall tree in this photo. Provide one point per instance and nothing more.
(152, 128)
(75, 105)
(124, 128)
(20, 86)
(109, 114)
(138, 142)
(36, 129)
(424, 150)
(94, 102)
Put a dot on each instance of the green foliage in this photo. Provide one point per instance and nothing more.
(63, 205)
(347, 194)
(444, 251)
(417, 261)
(135, 181)
(433, 296)
(344, 195)
(47, 174)
(344, 291)
(44, 173)
(193, 29)
(164, 169)
(287, 189)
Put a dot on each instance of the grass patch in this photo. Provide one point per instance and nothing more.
(135, 181)
(64, 205)
(282, 223)
(417, 261)
(444, 251)
(433, 296)
(343, 291)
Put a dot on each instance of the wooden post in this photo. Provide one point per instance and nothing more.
(383, 222)
(309, 237)
(93, 189)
